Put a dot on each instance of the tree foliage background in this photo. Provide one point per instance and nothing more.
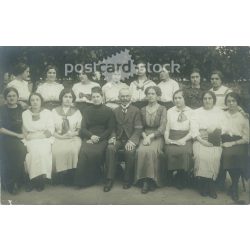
(234, 62)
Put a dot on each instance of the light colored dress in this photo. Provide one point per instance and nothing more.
(50, 91)
(148, 157)
(220, 96)
(206, 159)
(22, 87)
(65, 151)
(83, 91)
(168, 88)
(111, 93)
(179, 157)
(39, 157)
(137, 90)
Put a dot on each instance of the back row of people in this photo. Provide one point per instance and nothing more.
(50, 90)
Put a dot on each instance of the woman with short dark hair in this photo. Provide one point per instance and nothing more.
(207, 124)
(65, 149)
(38, 128)
(97, 125)
(139, 86)
(50, 89)
(235, 140)
(13, 151)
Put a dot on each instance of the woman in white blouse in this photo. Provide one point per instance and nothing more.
(38, 128)
(65, 149)
(82, 90)
(50, 90)
(234, 142)
(20, 83)
(139, 86)
(178, 148)
(111, 90)
(206, 125)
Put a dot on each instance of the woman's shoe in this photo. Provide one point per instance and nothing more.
(29, 187)
(145, 187)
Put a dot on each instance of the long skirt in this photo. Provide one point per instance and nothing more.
(91, 158)
(148, 161)
(39, 158)
(235, 156)
(206, 160)
(65, 153)
(178, 157)
(13, 154)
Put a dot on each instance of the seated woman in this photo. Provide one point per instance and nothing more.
(206, 128)
(178, 148)
(13, 151)
(82, 91)
(235, 140)
(147, 169)
(50, 90)
(65, 149)
(38, 128)
(97, 126)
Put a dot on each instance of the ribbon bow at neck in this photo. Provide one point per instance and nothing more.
(182, 117)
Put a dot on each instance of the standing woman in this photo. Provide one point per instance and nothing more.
(139, 86)
(82, 90)
(206, 125)
(147, 169)
(65, 149)
(168, 87)
(178, 149)
(20, 83)
(50, 90)
(97, 126)
(235, 140)
(194, 91)
(38, 128)
(219, 90)
(13, 151)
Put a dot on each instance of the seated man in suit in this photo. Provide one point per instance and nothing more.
(125, 137)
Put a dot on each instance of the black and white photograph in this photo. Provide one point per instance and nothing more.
(124, 125)
(134, 125)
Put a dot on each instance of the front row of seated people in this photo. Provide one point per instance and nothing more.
(155, 143)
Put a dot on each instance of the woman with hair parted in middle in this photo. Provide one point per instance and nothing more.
(97, 125)
(150, 150)
(178, 143)
(65, 149)
(38, 128)
(235, 140)
(206, 125)
(50, 90)
(139, 86)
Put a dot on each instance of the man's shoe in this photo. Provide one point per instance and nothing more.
(108, 186)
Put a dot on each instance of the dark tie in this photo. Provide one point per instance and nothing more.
(65, 125)
(182, 117)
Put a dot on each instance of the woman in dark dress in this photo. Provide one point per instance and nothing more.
(97, 126)
(13, 150)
